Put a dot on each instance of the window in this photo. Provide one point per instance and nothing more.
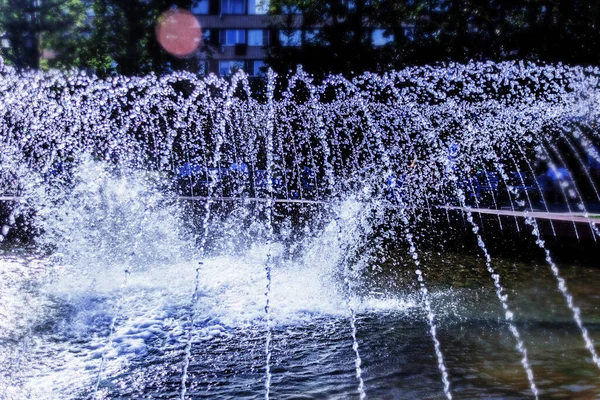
(290, 9)
(233, 7)
(200, 7)
(290, 38)
(231, 37)
(205, 36)
(258, 6)
(442, 6)
(256, 68)
(258, 37)
(227, 68)
(235, 36)
(380, 38)
(202, 68)
(311, 36)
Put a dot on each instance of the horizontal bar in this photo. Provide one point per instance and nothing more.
(253, 199)
(555, 216)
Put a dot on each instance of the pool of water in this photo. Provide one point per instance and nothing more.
(68, 334)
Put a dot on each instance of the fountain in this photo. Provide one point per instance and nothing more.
(390, 236)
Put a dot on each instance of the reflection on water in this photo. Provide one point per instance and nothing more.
(54, 336)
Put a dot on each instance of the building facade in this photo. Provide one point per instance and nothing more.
(235, 35)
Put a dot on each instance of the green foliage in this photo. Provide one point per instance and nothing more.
(33, 25)
(335, 37)
(429, 31)
(123, 38)
(117, 36)
(106, 36)
(119, 40)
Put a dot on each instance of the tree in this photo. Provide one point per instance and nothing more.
(429, 31)
(118, 43)
(32, 26)
(123, 39)
(352, 36)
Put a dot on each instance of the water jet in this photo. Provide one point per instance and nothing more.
(179, 237)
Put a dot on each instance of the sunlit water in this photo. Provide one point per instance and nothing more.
(54, 334)
(177, 237)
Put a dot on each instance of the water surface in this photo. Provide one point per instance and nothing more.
(56, 340)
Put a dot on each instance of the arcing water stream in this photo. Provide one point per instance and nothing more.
(183, 237)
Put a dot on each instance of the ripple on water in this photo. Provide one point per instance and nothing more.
(56, 337)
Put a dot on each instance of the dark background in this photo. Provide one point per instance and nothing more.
(117, 36)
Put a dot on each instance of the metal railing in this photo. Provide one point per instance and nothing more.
(555, 216)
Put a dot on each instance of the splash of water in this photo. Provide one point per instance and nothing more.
(96, 171)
